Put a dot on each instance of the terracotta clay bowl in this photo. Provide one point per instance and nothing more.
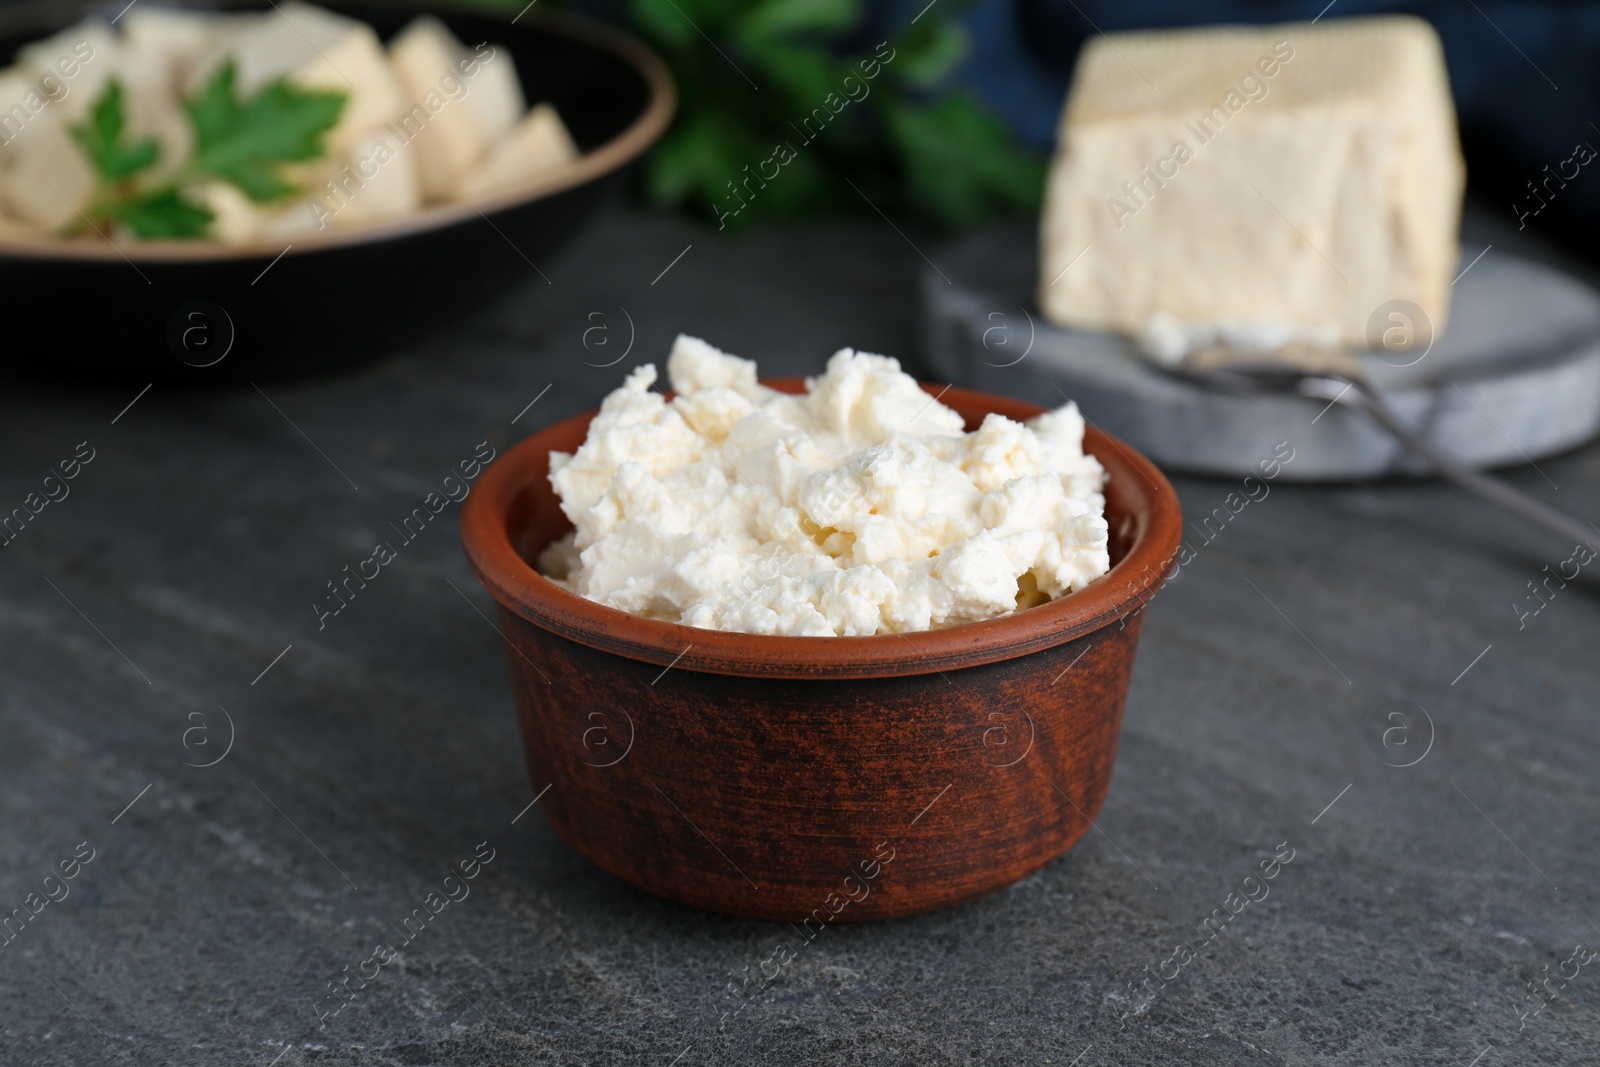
(818, 779)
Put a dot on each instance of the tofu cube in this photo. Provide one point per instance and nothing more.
(1295, 175)
(288, 222)
(147, 65)
(457, 104)
(379, 181)
(72, 68)
(17, 229)
(50, 181)
(237, 220)
(21, 103)
(170, 44)
(496, 97)
(170, 127)
(537, 146)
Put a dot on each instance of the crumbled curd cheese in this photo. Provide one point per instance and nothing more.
(859, 507)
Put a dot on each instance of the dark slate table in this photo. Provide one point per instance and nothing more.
(1322, 638)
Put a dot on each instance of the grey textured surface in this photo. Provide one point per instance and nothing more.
(1416, 912)
(1515, 375)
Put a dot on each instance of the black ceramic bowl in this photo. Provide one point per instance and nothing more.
(87, 311)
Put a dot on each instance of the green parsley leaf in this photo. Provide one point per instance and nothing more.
(777, 18)
(960, 164)
(780, 97)
(245, 141)
(665, 21)
(100, 136)
(931, 53)
(164, 213)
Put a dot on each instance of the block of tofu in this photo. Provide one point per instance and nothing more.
(381, 182)
(170, 42)
(496, 97)
(170, 127)
(537, 145)
(20, 102)
(1293, 177)
(50, 181)
(239, 220)
(155, 49)
(289, 221)
(11, 228)
(457, 105)
(235, 219)
(315, 49)
(79, 61)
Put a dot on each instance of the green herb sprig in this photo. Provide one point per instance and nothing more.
(748, 74)
(244, 142)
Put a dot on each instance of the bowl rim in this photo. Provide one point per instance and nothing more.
(616, 153)
(519, 588)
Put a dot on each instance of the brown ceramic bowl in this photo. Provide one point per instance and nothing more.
(818, 779)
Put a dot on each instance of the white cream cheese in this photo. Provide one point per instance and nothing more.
(859, 507)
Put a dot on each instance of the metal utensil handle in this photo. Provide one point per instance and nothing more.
(1360, 396)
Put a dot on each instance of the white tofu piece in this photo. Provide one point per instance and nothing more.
(287, 223)
(378, 181)
(50, 181)
(240, 219)
(20, 105)
(172, 42)
(496, 97)
(151, 102)
(11, 229)
(457, 105)
(446, 138)
(170, 127)
(237, 220)
(77, 61)
(147, 90)
(538, 145)
(314, 49)
(1294, 176)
